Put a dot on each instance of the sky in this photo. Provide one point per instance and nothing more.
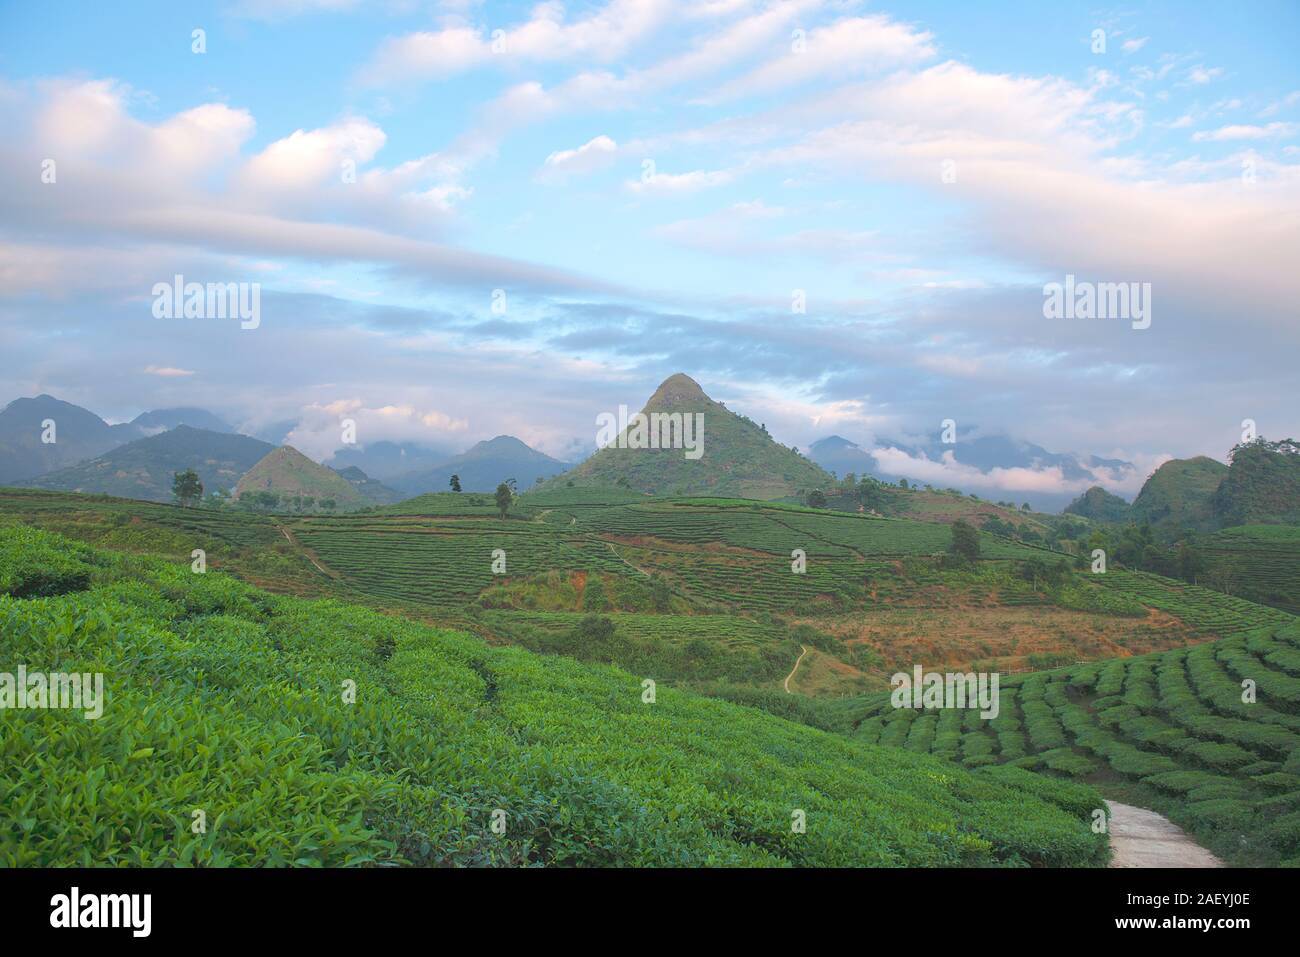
(468, 219)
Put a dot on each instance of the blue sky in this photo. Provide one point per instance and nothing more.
(652, 184)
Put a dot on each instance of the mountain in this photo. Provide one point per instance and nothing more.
(386, 460)
(736, 457)
(483, 468)
(837, 454)
(1099, 505)
(1262, 485)
(78, 435)
(1180, 494)
(984, 453)
(288, 473)
(160, 420)
(144, 468)
(372, 490)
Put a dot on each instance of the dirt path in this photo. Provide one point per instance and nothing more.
(306, 554)
(1142, 838)
(626, 562)
(803, 651)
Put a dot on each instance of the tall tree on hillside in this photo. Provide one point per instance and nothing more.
(965, 541)
(186, 487)
(504, 497)
(455, 483)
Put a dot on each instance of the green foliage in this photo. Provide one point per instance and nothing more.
(225, 699)
(1262, 484)
(1172, 723)
(504, 497)
(965, 541)
(187, 489)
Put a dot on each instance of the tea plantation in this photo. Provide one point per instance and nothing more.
(227, 705)
(1177, 731)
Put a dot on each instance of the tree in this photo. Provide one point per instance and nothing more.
(1025, 507)
(965, 541)
(455, 483)
(816, 499)
(327, 504)
(504, 497)
(186, 487)
(593, 596)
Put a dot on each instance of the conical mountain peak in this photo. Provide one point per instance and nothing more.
(677, 389)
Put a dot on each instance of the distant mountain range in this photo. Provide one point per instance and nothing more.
(983, 453)
(137, 459)
(77, 434)
(483, 468)
(386, 460)
(144, 468)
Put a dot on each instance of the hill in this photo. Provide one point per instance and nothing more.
(483, 467)
(144, 468)
(736, 457)
(386, 460)
(574, 759)
(1262, 485)
(78, 435)
(1099, 505)
(288, 474)
(1179, 495)
(838, 455)
(371, 490)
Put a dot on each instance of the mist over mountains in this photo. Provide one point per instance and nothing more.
(992, 465)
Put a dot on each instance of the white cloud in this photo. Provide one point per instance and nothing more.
(848, 46)
(676, 183)
(1246, 132)
(1134, 45)
(168, 372)
(1201, 75)
(603, 36)
(593, 155)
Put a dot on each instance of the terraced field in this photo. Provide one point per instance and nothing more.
(1176, 729)
(225, 698)
(1260, 563)
(876, 586)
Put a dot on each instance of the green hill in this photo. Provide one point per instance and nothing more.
(1099, 505)
(1180, 494)
(1257, 562)
(240, 703)
(288, 473)
(738, 457)
(483, 468)
(144, 469)
(1262, 485)
(371, 489)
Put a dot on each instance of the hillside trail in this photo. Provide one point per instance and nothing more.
(803, 650)
(1142, 838)
(306, 554)
(611, 547)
